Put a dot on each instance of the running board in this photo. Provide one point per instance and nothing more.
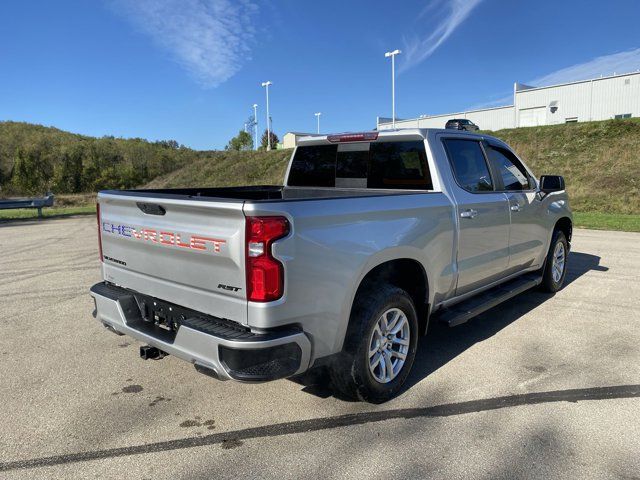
(467, 309)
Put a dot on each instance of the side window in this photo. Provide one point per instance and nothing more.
(513, 174)
(401, 165)
(469, 165)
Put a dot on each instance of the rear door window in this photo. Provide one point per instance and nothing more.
(469, 165)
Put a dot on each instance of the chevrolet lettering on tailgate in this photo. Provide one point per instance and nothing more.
(162, 237)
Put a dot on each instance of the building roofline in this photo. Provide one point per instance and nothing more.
(637, 72)
(531, 89)
(452, 115)
(470, 111)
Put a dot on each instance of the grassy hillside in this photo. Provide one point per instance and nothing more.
(228, 168)
(35, 159)
(599, 160)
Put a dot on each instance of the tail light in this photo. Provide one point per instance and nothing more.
(99, 230)
(265, 274)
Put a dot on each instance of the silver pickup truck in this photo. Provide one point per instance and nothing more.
(372, 235)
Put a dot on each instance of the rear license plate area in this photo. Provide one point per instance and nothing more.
(161, 314)
(162, 319)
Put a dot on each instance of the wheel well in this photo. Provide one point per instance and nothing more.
(565, 226)
(407, 274)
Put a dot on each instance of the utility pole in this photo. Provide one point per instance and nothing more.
(266, 85)
(255, 125)
(393, 84)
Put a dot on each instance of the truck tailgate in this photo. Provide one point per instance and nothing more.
(188, 252)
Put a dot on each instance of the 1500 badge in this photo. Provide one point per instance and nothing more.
(162, 237)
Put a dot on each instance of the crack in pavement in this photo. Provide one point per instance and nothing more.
(326, 423)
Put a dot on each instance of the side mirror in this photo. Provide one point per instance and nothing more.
(551, 183)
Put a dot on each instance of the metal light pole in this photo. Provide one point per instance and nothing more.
(318, 117)
(255, 125)
(266, 85)
(393, 84)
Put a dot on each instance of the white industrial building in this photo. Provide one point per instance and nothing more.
(290, 139)
(616, 96)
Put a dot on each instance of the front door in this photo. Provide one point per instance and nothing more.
(483, 217)
(528, 233)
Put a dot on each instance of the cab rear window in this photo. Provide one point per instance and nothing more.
(379, 165)
(314, 166)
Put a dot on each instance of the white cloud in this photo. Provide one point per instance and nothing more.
(448, 15)
(498, 101)
(622, 62)
(211, 39)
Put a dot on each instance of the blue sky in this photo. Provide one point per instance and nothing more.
(190, 70)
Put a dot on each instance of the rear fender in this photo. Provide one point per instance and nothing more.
(384, 256)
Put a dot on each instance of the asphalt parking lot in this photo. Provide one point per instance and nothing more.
(542, 386)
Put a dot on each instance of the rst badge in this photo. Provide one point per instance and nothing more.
(164, 237)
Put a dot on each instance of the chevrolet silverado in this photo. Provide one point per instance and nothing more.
(372, 235)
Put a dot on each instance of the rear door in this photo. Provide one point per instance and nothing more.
(528, 232)
(186, 251)
(483, 216)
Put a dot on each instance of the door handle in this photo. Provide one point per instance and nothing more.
(471, 213)
(515, 208)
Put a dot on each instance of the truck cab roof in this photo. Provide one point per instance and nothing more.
(388, 135)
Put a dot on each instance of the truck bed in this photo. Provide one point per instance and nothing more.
(258, 193)
(186, 246)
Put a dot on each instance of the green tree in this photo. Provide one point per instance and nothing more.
(264, 141)
(31, 172)
(67, 172)
(168, 144)
(240, 142)
(34, 158)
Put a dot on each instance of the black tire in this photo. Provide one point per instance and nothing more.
(350, 373)
(549, 284)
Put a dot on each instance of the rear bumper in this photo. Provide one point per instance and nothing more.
(214, 348)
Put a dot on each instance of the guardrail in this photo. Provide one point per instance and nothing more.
(39, 203)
